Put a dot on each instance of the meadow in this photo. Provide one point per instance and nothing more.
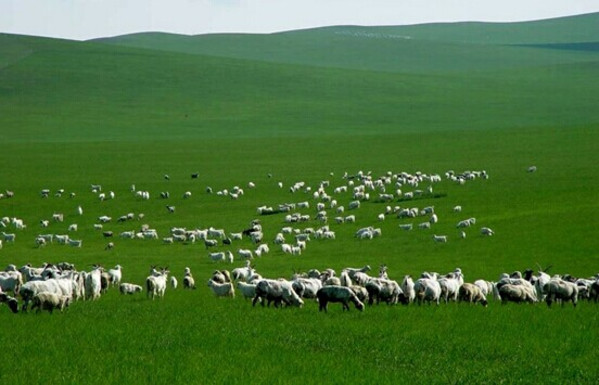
(77, 113)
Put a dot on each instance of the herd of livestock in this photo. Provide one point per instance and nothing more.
(52, 287)
(56, 286)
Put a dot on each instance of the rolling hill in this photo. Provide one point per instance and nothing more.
(297, 83)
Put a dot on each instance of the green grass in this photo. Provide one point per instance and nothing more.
(76, 113)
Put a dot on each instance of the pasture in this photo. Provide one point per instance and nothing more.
(74, 114)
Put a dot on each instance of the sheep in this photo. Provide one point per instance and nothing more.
(245, 253)
(531, 169)
(156, 284)
(170, 209)
(188, 281)
(248, 290)
(440, 238)
(220, 276)
(225, 289)
(243, 273)
(309, 286)
(486, 287)
(116, 274)
(217, 257)
(174, 282)
(384, 290)
(50, 301)
(11, 281)
(341, 294)
(424, 225)
(40, 242)
(428, 290)
(472, 293)
(104, 219)
(449, 288)
(457, 209)
(279, 291)
(210, 243)
(10, 237)
(516, 293)
(75, 242)
(130, 288)
(407, 286)
(464, 223)
(62, 239)
(406, 226)
(11, 302)
(559, 289)
(486, 231)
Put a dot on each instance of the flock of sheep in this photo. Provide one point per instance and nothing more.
(352, 285)
(51, 287)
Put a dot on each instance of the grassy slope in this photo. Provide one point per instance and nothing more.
(72, 114)
(430, 47)
(201, 96)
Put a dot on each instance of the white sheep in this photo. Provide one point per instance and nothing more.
(130, 288)
(116, 274)
(486, 231)
(248, 290)
(222, 289)
(50, 301)
(440, 238)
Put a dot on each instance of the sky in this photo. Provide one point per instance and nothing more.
(87, 19)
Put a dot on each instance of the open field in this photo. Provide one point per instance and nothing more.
(77, 113)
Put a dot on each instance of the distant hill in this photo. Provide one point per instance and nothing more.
(416, 48)
(326, 81)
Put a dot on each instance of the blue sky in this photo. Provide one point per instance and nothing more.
(86, 19)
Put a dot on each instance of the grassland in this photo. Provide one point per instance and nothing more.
(76, 113)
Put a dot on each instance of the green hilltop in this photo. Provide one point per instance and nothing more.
(418, 48)
(350, 80)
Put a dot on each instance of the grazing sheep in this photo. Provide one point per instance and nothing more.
(427, 289)
(561, 290)
(116, 274)
(174, 282)
(407, 286)
(129, 288)
(337, 294)
(248, 290)
(486, 231)
(516, 293)
(384, 290)
(222, 289)
(440, 238)
(156, 283)
(245, 254)
(50, 301)
(472, 293)
(279, 291)
(188, 281)
(11, 302)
